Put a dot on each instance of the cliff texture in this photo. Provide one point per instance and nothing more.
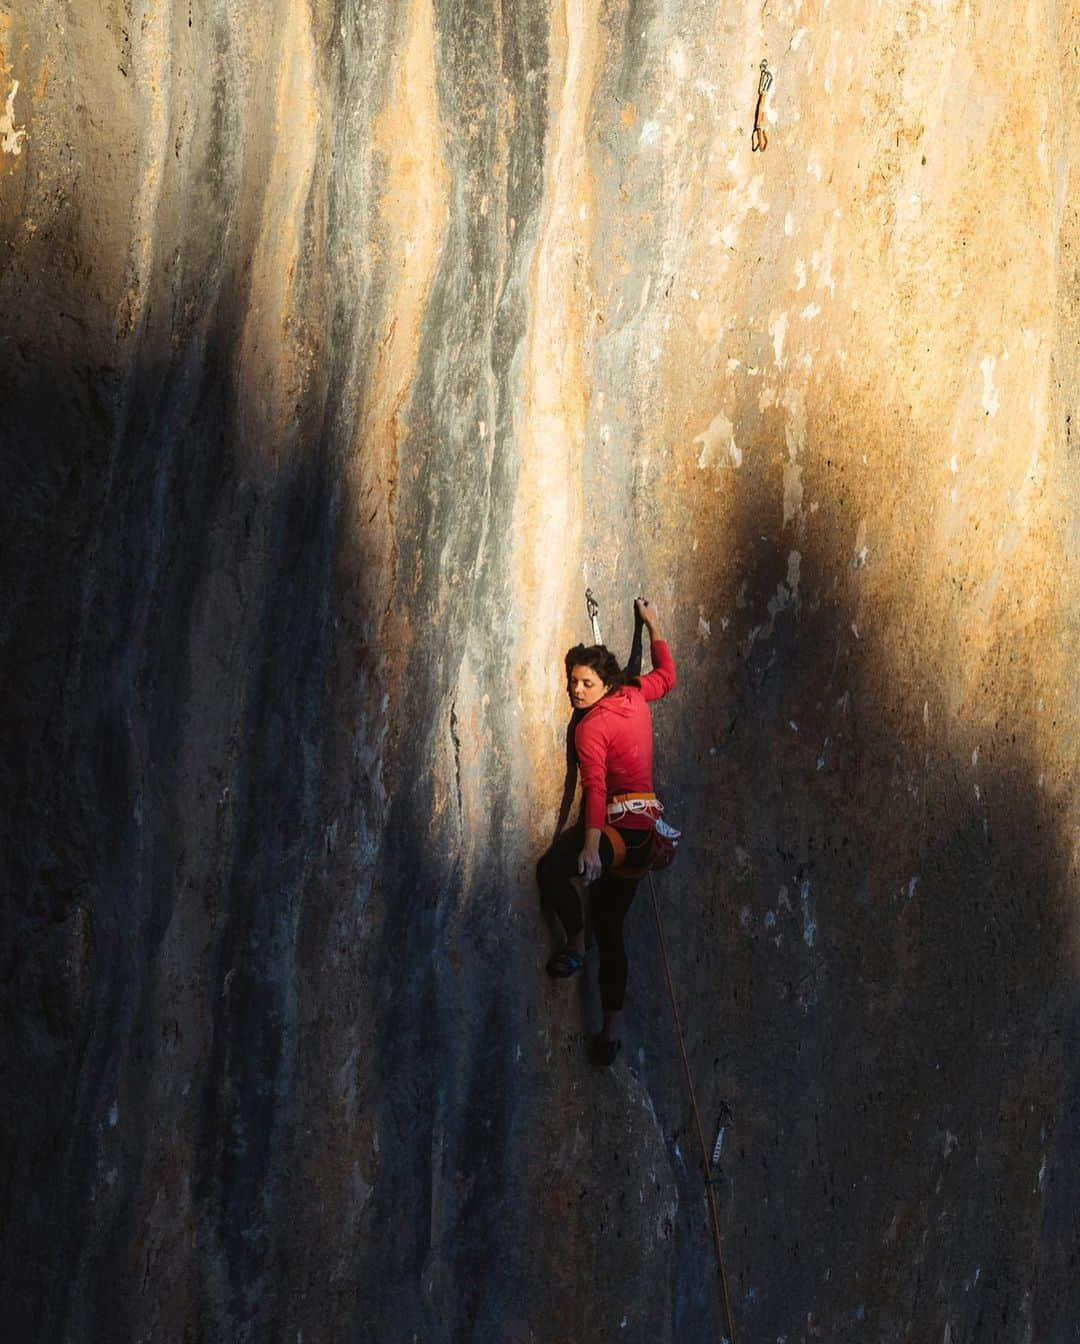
(344, 343)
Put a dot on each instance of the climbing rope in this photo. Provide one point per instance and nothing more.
(633, 667)
(714, 1215)
(760, 139)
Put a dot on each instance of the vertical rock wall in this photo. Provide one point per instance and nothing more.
(345, 341)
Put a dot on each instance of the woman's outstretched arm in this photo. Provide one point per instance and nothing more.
(661, 679)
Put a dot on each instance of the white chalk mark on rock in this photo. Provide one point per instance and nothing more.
(990, 399)
(718, 432)
(809, 923)
(777, 330)
(12, 136)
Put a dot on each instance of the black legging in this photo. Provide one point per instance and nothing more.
(609, 900)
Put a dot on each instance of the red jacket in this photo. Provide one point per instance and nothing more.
(614, 742)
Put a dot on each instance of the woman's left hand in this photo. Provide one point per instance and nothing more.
(589, 865)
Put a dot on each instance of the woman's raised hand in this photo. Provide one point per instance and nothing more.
(647, 611)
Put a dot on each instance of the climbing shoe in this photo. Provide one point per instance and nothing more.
(564, 963)
(604, 1049)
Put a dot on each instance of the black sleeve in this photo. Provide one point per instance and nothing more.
(633, 666)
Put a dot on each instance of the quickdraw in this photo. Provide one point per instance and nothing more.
(593, 608)
(710, 1184)
(760, 139)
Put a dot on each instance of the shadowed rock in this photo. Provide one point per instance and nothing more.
(344, 343)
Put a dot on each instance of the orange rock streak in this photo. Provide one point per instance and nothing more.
(269, 362)
(549, 507)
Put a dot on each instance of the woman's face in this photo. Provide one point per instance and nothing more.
(585, 687)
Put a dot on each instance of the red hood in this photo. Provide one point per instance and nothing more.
(619, 701)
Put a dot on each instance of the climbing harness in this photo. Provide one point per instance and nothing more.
(593, 608)
(622, 854)
(634, 804)
(658, 850)
(655, 850)
(710, 1193)
(760, 139)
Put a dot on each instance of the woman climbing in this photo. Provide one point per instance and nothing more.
(609, 849)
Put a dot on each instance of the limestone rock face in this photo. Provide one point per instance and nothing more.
(344, 343)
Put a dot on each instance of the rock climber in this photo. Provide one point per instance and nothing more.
(608, 850)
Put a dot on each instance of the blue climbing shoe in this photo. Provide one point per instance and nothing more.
(565, 963)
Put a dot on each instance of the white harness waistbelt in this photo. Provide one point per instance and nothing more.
(636, 804)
